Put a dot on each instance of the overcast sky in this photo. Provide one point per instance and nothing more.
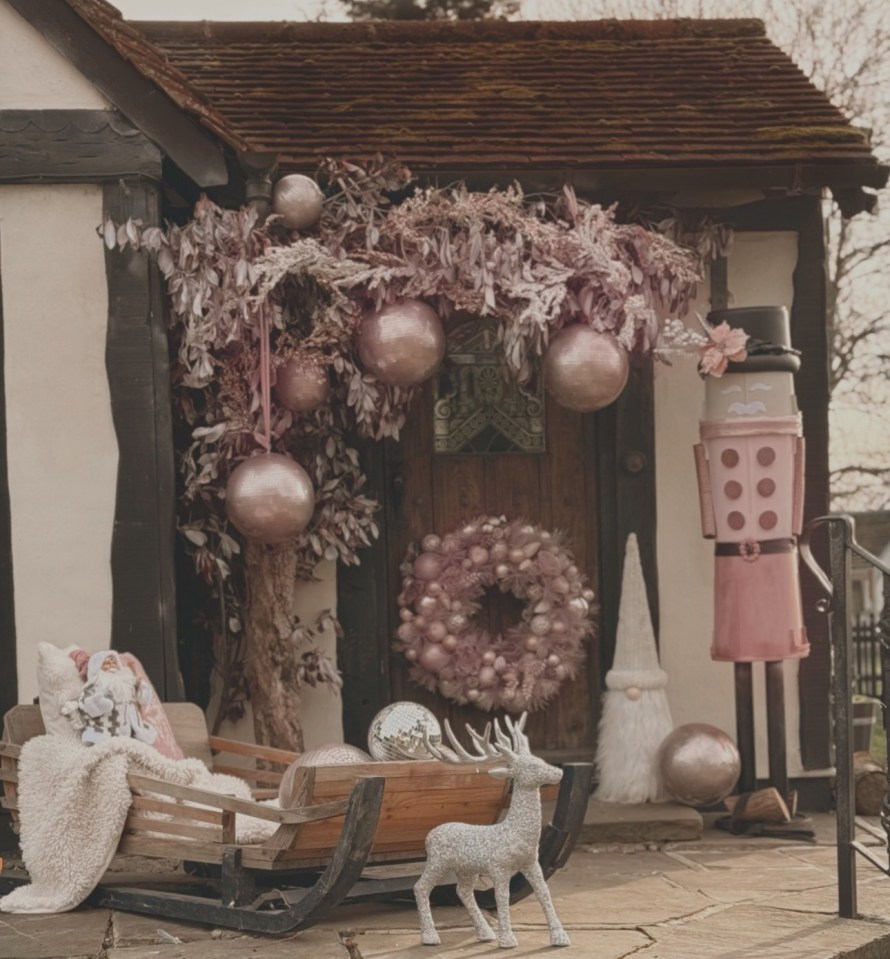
(229, 9)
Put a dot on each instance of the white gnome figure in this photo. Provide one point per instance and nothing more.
(636, 716)
(109, 702)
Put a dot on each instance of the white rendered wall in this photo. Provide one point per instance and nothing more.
(34, 75)
(61, 446)
(760, 269)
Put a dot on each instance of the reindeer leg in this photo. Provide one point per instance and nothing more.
(465, 883)
(501, 879)
(558, 935)
(422, 889)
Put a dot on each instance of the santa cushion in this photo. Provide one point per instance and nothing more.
(61, 675)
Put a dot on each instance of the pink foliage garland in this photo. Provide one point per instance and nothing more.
(442, 589)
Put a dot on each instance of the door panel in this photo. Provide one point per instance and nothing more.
(436, 492)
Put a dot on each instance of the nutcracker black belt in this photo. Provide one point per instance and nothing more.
(750, 549)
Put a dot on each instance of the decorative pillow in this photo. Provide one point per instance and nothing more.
(61, 674)
(58, 681)
(153, 713)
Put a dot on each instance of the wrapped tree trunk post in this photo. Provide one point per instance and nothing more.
(271, 657)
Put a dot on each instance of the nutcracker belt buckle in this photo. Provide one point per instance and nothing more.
(749, 550)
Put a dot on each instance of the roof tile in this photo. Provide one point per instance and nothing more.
(493, 94)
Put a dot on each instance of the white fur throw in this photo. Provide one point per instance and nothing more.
(73, 800)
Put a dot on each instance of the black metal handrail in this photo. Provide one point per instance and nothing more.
(842, 546)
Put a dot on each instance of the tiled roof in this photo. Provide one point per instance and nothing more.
(495, 95)
(153, 64)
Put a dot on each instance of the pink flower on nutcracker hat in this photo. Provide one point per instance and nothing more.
(726, 344)
(715, 347)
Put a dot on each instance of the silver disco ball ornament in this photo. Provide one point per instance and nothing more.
(585, 370)
(699, 764)
(397, 731)
(332, 754)
(270, 498)
(403, 343)
(297, 199)
(301, 385)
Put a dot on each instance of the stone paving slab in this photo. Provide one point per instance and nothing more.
(68, 935)
(743, 932)
(323, 943)
(607, 822)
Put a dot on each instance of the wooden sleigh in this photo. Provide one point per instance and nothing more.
(348, 836)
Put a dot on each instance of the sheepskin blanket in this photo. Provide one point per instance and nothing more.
(73, 800)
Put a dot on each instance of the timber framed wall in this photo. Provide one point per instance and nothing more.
(8, 679)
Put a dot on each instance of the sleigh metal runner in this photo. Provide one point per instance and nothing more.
(349, 835)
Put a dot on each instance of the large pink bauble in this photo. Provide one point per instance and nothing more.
(301, 386)
(585, 370)
(403, 343)
(332, 754)
(297, 199)
(270, 498)
(699, 764)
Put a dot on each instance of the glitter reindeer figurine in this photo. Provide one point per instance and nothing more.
(497, 851)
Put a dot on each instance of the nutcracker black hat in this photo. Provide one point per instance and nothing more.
(769, 338)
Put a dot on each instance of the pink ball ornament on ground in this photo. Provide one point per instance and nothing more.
(298, 200)
(402, 344)
(585, 370)
(301, 385)
(332, 754)
(269, 498)
(699, 764)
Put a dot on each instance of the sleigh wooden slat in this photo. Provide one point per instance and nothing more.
(341, 821)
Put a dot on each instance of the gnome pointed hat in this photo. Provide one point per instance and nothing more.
(636, 657)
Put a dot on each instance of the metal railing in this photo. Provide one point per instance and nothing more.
(842, 546)
(868, 677)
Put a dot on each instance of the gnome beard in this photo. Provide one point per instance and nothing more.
(636, 716)
(633, 724)
(109, 703)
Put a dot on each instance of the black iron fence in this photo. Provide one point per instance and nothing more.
(867, 673)
(842, 546)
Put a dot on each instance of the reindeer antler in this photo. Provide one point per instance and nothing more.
(505, 748)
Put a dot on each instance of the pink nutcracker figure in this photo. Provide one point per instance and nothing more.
(750, 466)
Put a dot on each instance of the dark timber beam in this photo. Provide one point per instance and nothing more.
(73, 145)
(137, 97)
(142, 563)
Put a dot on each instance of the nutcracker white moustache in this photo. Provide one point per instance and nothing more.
(750, 467)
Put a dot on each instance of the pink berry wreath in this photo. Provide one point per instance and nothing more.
(441, 593)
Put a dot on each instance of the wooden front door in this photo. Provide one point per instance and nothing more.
(474, 444)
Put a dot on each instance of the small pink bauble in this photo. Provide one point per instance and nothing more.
(585, 370)
(298, 200)
(301, 385)
(403, 343)
(487, 676)
(633, 693)
(436, 631)
(427, 566)
(450, 643)
(427, 605)
(434, 657)
(269, 498)
(478, 555)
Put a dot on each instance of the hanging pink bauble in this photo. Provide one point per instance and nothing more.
(402, 344)
(301, 385)
(585, 370)
(269, 498)
(297, 199)
(332, 754)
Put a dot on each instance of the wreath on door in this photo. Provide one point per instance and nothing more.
(442, 590)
